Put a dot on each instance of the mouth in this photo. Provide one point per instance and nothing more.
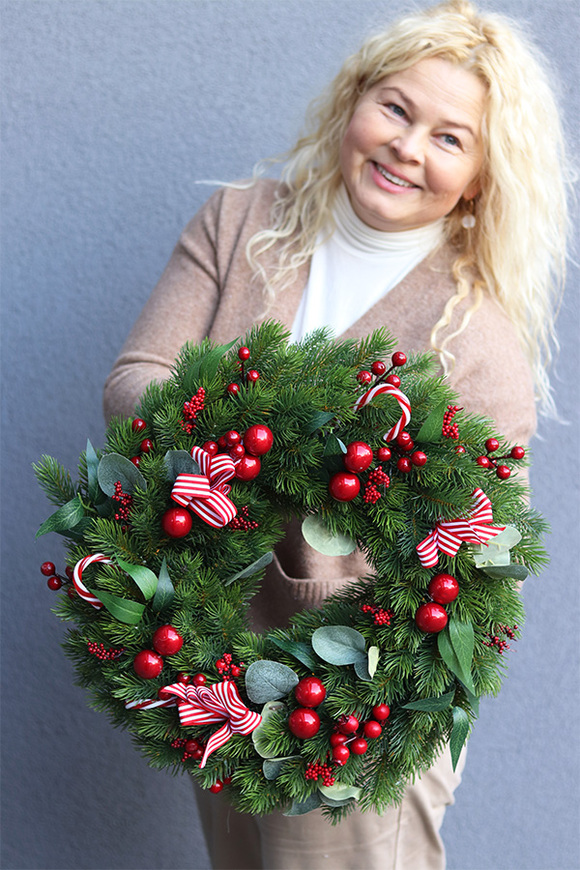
(394, 179)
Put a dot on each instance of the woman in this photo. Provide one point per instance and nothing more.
(419, 201)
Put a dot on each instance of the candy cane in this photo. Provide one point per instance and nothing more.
(150, 703)
(78, 575)
(401, 399)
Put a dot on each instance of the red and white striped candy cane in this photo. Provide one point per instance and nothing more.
(150, 703)
(78, 578)
(401, 398)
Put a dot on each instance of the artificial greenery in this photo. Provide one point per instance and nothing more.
(202, 584)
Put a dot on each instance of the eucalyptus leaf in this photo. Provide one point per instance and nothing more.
(317, 421)
(123, 609)
(320, 538)
(340, 792)
(256, 566)
(431, 430)
(179, 462)
(113, 468)
(143, 577)
(432, 705)
(210, 363)
(329, 802)
(165, 591)
(516, 572)
(92, 472)
(64, 519)
(449, 656)
(462, 641)
(339, 644)
(272, 767)
(459, 734)
(269, 681)
(258, 738)
(300, 808)
(496, 550)
(297, 648)
(334, 446)
(366, 668)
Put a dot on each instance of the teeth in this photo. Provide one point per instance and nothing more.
(393, 178)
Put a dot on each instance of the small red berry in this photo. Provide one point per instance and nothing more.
(191, 746)
(503, 472)
(517, 453)
(253, 376)
(147, 445)
(404, 464)
(176, 522)
(182, 677)
(384, 454)
(136, 460)
(460, 449)
(398, 358)
(232, 437)
(233, 389)
(199, 680)
(358, 456)
(340, 754)
(491, 445)
(235, 671)
(359, 746)
(337, 738)
(364, 377)
(344, 486)
(404, 440)
(48, 568)
(216, 787)
(393, 380)
(244, 353)
(147, 664)
(248, 467)
(418, 458)
(138, 425)
(378, 368)
(54, 583)
(210, 447)
(310, 692)
(381, 712)
(237, 451)
(431, 617)
(443, 588)
(483, 461)
(348, 724)
(304, 723)
(372, 729)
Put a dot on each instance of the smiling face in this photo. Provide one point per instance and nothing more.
(414, 147)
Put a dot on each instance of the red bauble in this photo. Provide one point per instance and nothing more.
(404, 464)
(398, 358)
(503, 472)
(337, 738)
(340, 754)
(348, 724)
(381, 712)
(191, 746)
(378, 368)
(176, 522)
(147, 445)
(372, 729)
(244, 353)
(167, 640)
(443, 588)
(48, 568)
(384, 454)
(344, 486)
(310, 692)
(210, 447)
(418, 458)
(358, 456)
(54, 583)
(359, 746)
(258, 440)
(431, 617)
(304, 723)
(491, 445)
(148, 664)
(248, 467)
(517, 453)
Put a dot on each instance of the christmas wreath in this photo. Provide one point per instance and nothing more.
(172, 525)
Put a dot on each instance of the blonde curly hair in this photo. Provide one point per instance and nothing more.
(516, 251)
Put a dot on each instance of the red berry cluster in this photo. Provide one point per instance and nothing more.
(500, 644)
(226, 669)
(249, 377)
(125, 503)
(377, 477)
(191, 409)
(54, 581)
(381, 373)
(138, 425)
(102, 653)
(245, 450)
(449, 429)
(491, 462)
(431, 617)
(380, 616)
(242, 521)
(192, 749)
(349, 730)
(317, 770)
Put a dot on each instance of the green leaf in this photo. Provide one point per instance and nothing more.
(256, 566)
(374, 654)
(210, 363)
(516, 572)
(430, 432)
(365, 668)
(297, 648)
(179, 462)
(317, 421)
(497, 550)
(143, 577)
(449, 656)
(300, 808)
(112, 468)
(339, 644)
(432, 705)
(459, 734)
(165, 591)
(268, 681)
(462, 641)
(64, 519)
(334, 446)
(123, 609)
(258, 738)
(272, 767)
(340, 792)
(92, 469)
(319, 537)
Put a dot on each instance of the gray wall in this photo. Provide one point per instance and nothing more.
(112, 110)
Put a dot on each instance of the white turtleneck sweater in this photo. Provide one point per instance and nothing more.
(356, 267)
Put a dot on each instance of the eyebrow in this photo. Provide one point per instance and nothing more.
(445, 122)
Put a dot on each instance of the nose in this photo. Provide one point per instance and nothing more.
(409, 145)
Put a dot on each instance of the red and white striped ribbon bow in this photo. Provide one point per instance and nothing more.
(448, 535)
(206, 493)
(401, 398)
(203, 705)
(77, 578)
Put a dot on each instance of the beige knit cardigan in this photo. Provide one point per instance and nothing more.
(207, 290)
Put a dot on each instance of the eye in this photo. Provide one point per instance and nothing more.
(396, 110)
(451, 140)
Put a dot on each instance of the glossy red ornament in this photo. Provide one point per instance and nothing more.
(359, 746)
(393, 380)
(253, 376)
(372, 729)
(378, 368)
(431, 617)
(443, 588)
(54, 583)
(517, 453)
(199, 680)
(348, 724)
(182, 677)
(358, 456)
(248, 467)
(232, 437)
(48, 568)
(233, 389)
(491, 445)
(384, 454)
(147, 664)
(192, 746)
(237, 451)
(344, 486)
(244, 353)
(483, 461)
(398, 358)
(304, 723)
(176, 522)
(364, 377)
(419, 458)
(404, 441)
(216, 787)
(258, 439)
(340, 754)
(210, 447)
(138, 425)
(404, 464)
(337, 738)
(146, 445)
(136, 460)
(310, 692)
(167, 640)
(381, 712)
(503, 472)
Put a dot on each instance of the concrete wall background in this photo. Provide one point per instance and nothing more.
(112, 110)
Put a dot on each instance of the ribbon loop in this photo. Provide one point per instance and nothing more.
(206, 494)
(448, 535)
(401, 398)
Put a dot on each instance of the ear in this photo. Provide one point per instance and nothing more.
(472, 189)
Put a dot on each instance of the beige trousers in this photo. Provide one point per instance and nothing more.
(403, 838)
